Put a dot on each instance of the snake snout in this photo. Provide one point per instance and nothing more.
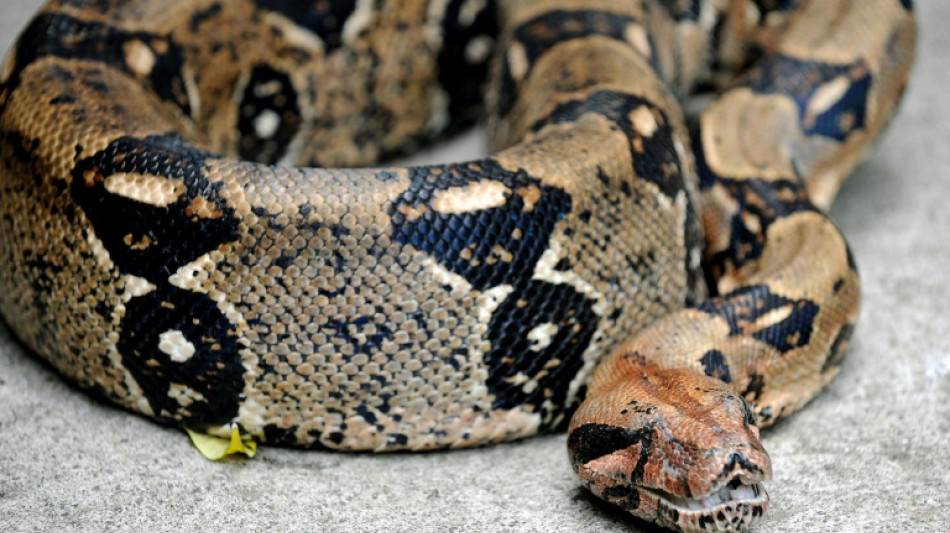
(692, 462)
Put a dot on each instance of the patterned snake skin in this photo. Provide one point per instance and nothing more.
(662, 290)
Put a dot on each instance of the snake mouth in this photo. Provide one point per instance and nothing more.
(733, 507)
(735, 493)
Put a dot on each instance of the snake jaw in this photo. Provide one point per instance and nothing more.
(732, 508)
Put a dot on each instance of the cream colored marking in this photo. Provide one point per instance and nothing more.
(271, 88)
(203, 208)
(151, 190)
(266, 124)
(665, 203)
(530, 386)
(295, 34)
(141, 401)
(708, 15)
(439, 117)
(433, 24)
(498, 252)
(194, 277)
(358, 21)
(482, 194)
(175, 345)
(518, 379)
(771, 318)
(191, 276)
(751, 222)
(636, 35)
(826, 96)
(489, 301)
(517, 61)
(752, 14)
(470, 10)
(412, 213)
(294, 149)
(144, 242)
(99, 251)
(444, 276)
(541, 336)
(478, 49)
(251, 413)
(135, 287)
(192, 91)
(644, 121)
(544, 270)
(139, 57)
(184, 394)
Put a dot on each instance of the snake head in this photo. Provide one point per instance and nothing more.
(673, 447)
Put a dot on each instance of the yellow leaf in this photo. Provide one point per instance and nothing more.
(217, 448)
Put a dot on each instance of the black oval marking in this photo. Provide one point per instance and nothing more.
(153, 242)
(214, 370)
(467, 243)
(801, 79)
(268, 115)
(462, 78)
(742, 307)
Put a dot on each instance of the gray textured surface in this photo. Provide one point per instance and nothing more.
(872, 454)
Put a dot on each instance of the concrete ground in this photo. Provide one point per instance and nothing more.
(871, 454)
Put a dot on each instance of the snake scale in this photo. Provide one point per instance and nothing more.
(660, 284)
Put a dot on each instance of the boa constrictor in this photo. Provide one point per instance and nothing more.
(158, 249)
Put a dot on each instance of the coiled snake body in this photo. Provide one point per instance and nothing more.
(156, 250)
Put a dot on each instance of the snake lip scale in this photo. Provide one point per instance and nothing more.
(191, 228)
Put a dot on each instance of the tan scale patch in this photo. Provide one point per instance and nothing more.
(748, 135)
(829, 34)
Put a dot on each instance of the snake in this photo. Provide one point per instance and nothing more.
(195, 224)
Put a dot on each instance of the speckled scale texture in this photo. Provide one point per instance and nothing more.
(356, 309)
(160, 248)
